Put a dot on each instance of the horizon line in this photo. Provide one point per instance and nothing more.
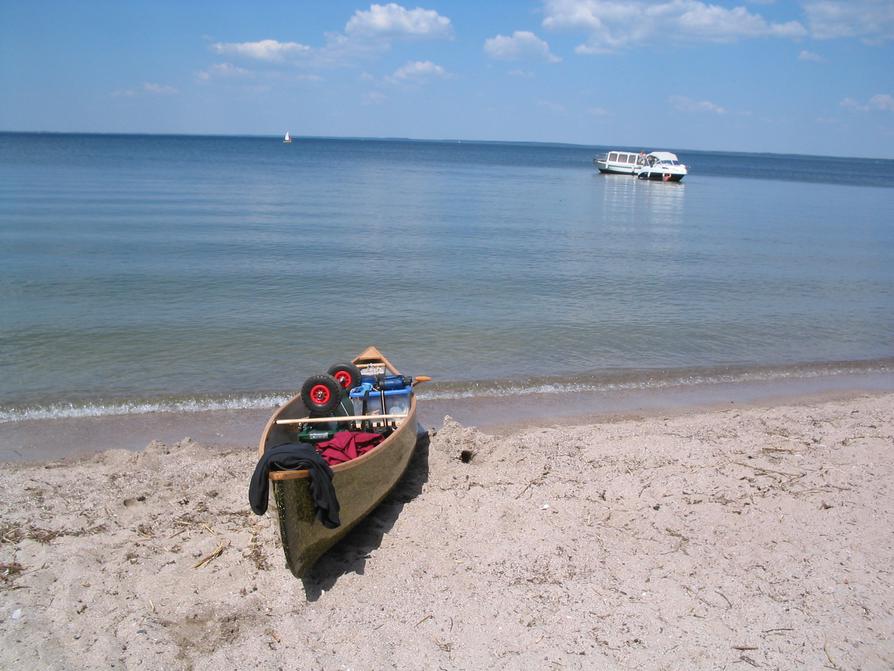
(620, 147)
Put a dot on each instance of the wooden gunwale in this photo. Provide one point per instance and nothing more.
(359, 461)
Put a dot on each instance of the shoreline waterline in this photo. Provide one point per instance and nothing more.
(58, 438)
(620, 381)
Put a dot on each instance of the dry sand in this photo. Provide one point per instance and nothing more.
(733, 539)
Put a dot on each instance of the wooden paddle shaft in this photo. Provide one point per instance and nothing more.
(349, 418)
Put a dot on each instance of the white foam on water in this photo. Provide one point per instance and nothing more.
(597, 383)
(74, 410)
(647, 382)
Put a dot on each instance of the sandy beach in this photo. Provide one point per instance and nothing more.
(735, 538)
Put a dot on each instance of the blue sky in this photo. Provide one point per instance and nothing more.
(815, 76)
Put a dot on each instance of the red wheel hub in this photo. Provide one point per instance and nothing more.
(320, 394)
(344, 379)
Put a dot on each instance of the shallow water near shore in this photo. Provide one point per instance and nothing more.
(188, 274)
(32, 440)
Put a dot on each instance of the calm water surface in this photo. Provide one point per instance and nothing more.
(149, 272)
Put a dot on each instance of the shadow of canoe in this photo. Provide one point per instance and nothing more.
(350, 554)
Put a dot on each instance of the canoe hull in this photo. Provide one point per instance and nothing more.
(360, 485)
(359, 491)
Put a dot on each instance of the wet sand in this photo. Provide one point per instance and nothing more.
(729, 537)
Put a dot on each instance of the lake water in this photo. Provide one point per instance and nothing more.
(142, 273)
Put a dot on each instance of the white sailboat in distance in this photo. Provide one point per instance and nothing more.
(287, 139)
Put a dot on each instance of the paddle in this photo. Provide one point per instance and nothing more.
(339, 418)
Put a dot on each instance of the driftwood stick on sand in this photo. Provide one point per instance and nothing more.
(829, 657)
(536, 481)
(218, 551)
(764, 469)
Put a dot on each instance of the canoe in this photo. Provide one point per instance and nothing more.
(360, 484)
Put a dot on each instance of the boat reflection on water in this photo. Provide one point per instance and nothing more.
(665, 202)
(641, 203)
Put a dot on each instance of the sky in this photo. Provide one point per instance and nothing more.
(811, 77)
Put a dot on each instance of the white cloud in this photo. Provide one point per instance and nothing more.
(881, 102)
(554, 107)
(224, 70)
(393, 20)
(870, 20)
(810, 56)
(159, 89)
(622, 23)
(148, 88)
(230, 72)
(263, 50)
(598, 112)
(716, 23)
(341, 50)
(367, 34)
(684, 104)
(418, 71)
(302, 77)
(374, 98)
(524, 74)
(521, 45)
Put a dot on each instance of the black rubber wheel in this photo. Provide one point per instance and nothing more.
(346, 374)
(321, 394)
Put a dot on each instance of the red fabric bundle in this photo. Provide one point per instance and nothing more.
(347, 445)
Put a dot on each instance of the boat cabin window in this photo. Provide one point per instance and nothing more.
(613, 156)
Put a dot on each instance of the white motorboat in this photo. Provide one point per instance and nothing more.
(662, 166)
(620, 162)
(287, 139)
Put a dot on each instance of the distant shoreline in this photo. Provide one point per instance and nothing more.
(534, 143)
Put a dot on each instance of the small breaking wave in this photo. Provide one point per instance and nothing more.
(603, 382)
(622, 381)
(111, 409)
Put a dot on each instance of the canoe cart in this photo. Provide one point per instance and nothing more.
(360, 484)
